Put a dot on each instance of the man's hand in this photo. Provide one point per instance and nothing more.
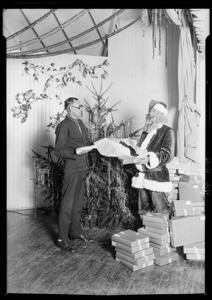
(83, 150)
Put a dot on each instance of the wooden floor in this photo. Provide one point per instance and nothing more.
(36, 266)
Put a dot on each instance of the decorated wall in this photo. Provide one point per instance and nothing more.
(142, 71)
(44, 100)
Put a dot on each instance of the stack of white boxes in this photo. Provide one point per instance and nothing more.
(157, 229)
(133, 249)
(195, 251)
(174, 178)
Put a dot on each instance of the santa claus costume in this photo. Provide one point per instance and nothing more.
(153, 179)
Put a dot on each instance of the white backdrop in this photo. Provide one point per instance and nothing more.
(138, 77)
(23, 137)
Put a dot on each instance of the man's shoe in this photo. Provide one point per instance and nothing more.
(64, 245)
(72, 243)
(81, 238)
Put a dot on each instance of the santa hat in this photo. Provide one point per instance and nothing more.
(160, 106)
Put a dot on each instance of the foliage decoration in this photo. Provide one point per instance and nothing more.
(49, 173)
(60, 76)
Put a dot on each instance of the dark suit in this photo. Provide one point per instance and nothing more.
(69, 137)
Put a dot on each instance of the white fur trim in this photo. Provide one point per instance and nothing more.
(141, 183)
(148, 138)
(153, 160)
(139, 167)
(161, 108)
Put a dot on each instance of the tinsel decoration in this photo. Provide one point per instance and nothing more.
(159, 28)
(154, 30)
(155, 27)
(155, 16)
(144, 19)
(166, 53)
(153, 33)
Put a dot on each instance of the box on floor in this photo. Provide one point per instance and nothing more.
(134, 267)
(132, 249)
(187, 230)
(165, 259)
(195, 256)
(137, 254)
(129, 238)
(196, 248)
(186, 207)
(155, 237)
(136, 261)
(190, 191)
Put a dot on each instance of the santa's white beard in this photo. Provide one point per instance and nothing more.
(151, 123)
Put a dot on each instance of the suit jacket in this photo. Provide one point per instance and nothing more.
(68, 139)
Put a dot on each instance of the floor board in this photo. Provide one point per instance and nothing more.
(36, 266)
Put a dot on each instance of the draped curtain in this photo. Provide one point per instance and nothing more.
(188, 111)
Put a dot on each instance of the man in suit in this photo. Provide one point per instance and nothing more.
(153, 179)
(71, 134)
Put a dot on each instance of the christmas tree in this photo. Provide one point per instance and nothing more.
(110, 200)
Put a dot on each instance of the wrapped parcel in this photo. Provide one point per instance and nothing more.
(124, 149)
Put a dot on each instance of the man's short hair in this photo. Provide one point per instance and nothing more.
(68, 101)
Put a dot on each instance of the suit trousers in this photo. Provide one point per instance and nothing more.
(153, 201)
(71, 205)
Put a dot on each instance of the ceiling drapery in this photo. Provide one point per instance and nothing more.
(188, 111)
(34, 40)
(27, 54)
(42, 32)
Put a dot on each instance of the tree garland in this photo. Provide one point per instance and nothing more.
(61, 76)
